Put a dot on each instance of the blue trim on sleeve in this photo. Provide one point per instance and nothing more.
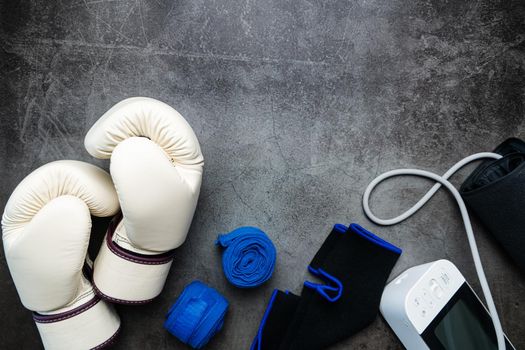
(340, 228)
(373, 238)
(256, 344)
(322, 289)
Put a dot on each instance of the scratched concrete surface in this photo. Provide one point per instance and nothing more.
(297, 105)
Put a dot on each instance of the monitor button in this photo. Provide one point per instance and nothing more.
(417, 301)
(436, 290)
(444, 278)
(426, 296)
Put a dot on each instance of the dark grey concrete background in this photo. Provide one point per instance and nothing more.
(297, 105)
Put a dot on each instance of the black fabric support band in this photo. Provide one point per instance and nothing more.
(354, 265)
(495, 193)
(278, 316)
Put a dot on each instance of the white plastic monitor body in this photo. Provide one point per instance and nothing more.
(416, 303)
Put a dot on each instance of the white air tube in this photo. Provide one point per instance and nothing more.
(443, 180)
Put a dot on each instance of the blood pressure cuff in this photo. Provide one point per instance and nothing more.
(495, 193)
(353, 265)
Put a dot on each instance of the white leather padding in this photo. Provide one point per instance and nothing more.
(91, 329)
(46, 260)
(155, 198)
(145, 117)
(156, 165)
(137, 283)
(46, 227)
(64, 177)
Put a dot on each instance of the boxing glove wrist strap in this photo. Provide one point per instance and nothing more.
(125, 277)
(93, 325)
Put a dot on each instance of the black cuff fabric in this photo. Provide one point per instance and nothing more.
(495, 193)
(277, 317)
(353, 265)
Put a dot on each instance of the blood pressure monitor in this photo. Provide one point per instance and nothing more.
(432, 306)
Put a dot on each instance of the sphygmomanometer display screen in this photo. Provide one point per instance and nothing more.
(460, 329)
(463, 324)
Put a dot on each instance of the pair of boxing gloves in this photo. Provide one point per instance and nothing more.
(156, 169)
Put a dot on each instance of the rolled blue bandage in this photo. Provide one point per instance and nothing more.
(249, 258)
(197, 315)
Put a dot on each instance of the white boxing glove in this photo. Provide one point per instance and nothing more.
(46, 228)
(156, 166)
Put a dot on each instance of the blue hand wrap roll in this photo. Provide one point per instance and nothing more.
(197, 315)
(249, 258)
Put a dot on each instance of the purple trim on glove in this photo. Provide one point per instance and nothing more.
(108, 343)
(39, 318)
(120, 301)
(159, 259)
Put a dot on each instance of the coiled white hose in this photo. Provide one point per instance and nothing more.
(443, 181)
